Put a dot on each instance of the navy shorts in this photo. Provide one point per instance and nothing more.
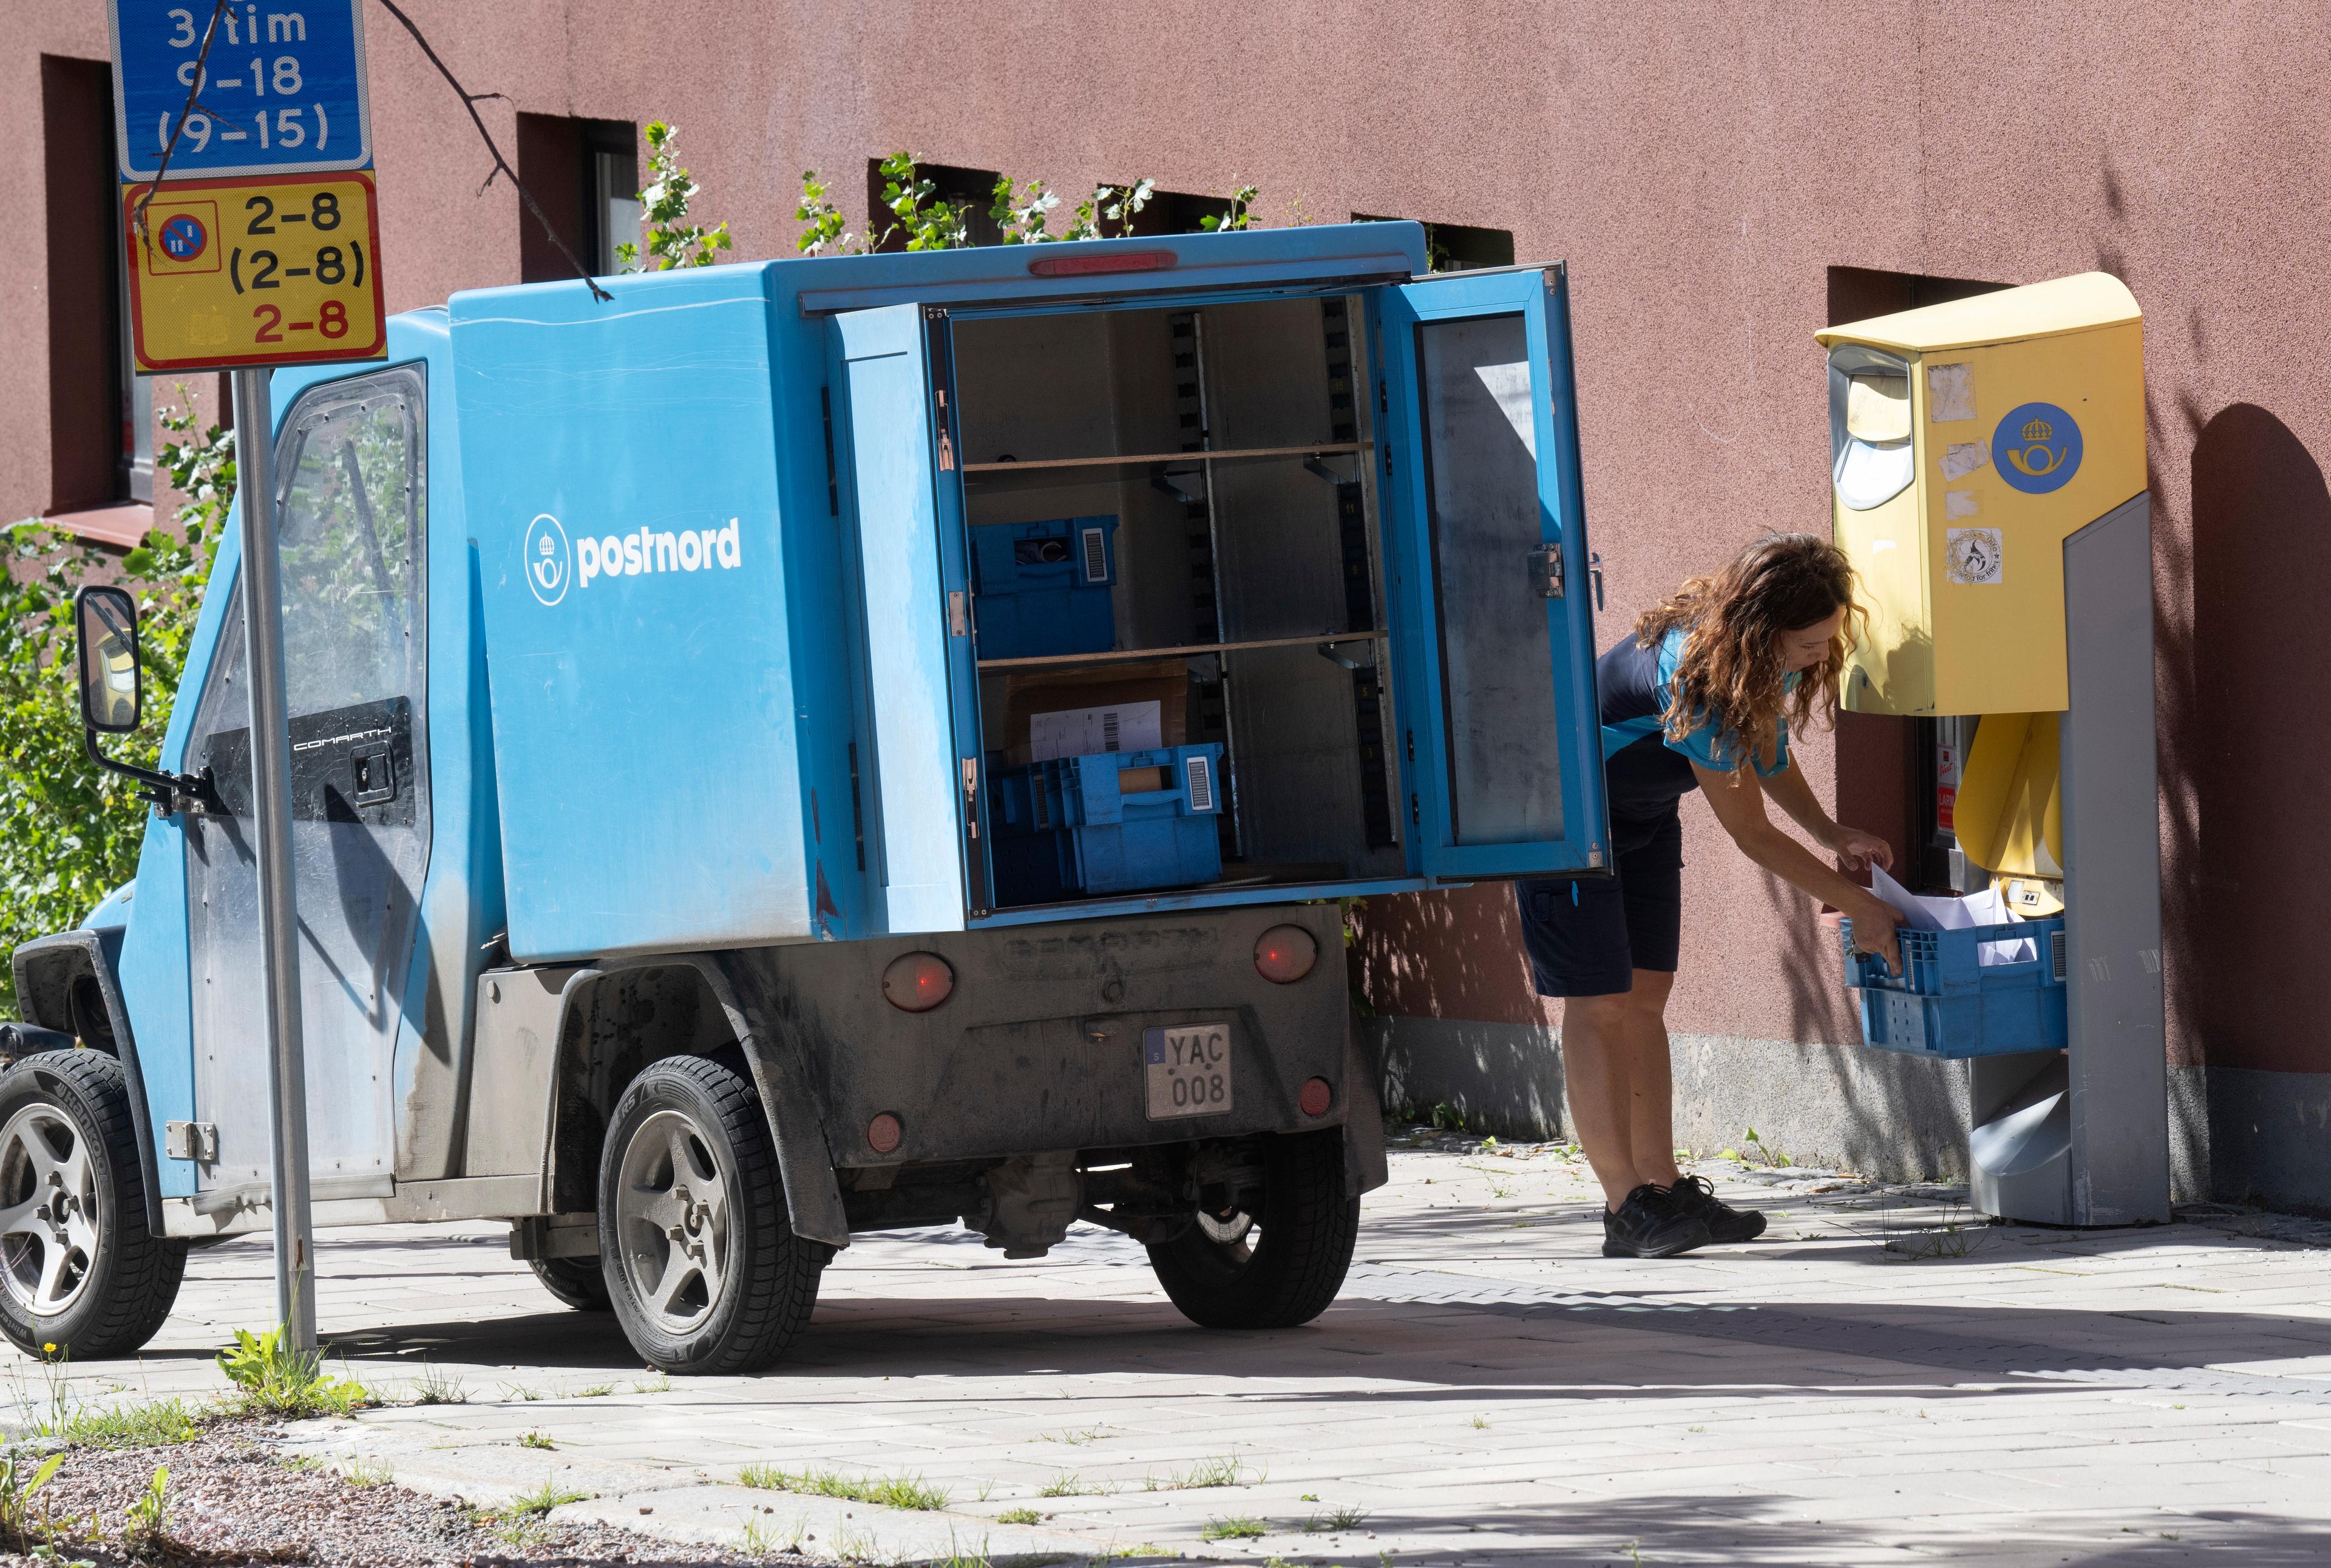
(1587, 938)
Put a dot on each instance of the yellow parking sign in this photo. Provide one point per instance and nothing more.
(269, 270)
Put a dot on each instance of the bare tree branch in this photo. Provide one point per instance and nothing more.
(470, 100)
(162, 170)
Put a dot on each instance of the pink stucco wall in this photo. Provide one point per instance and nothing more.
(1701, 167)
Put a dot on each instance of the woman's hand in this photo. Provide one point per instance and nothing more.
(1874, 923)
(1858, 850)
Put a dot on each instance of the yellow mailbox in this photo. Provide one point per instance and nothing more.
(1988, 482)
(1968, 440)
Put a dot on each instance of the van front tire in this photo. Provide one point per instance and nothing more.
(80, 1273)
(704, 1272)
(1281, 1266)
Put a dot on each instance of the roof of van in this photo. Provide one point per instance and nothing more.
(2081, 303)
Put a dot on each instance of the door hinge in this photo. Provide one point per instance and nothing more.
(1411, 746)
(1545, 570)
(958, 615)
(971, 795)
(1383, 399)
(1415, 812)
(197, 1141)
(1594, 574)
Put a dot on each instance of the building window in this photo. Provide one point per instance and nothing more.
(1457, 247)
(100, 413)
(584, 176)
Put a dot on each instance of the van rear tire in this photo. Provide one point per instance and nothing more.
(1278, 1267)
(80, 1273)
(703, 1270)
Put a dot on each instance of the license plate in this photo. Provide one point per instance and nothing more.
(1189, 1068)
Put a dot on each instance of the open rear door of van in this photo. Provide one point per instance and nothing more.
(894, 450)
(1495, 637)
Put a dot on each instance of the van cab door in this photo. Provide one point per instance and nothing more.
(1494, 644)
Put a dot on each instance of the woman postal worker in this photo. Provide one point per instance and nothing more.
(1700, 696)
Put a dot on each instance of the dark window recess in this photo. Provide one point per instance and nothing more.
(1887, 765)
(585, 174)
(1457, 247)
(94, 434)
(971, 191)
(1171, 213)
(1359, 578)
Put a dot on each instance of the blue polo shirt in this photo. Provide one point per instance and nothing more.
(1645, 772)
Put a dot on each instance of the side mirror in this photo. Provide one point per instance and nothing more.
(112, 688)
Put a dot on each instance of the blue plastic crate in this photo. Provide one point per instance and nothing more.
(1042, 588)
(1067, 830)
(1946, 1002)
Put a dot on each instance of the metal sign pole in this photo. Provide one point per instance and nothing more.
(270, 768)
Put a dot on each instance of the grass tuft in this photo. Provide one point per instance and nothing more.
(1234, 1529)
(889, 1491)
(435, 1385)
(130, 1426)
(1022, 1515)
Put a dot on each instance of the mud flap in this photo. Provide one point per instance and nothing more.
(1364, 1165)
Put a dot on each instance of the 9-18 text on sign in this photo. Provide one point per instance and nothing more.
(282, 89)
(281, 271)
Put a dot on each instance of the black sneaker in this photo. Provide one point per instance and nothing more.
(1649, 1224)
(1695, 1196)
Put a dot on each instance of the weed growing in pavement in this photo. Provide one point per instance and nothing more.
(1069, 1484)
(519, 1394)
(1957, 1235)
(662, 1384)
(596, 1391)
(1335, 1520)
(149, 1513)
(130, 1426)
(435, 1385)
(958, 1556)
(855, 1545)
(889, 1491)
(763, 1539)
(520, 1521)
(1074, 1438)
(371, 1473)
(1480, 1423)
(1147, 1549)
(273, 1377)
(301, 1462)
(534, 1440)
(1769, 1155)
(1020, 1516)
(1225, 1471)
(17, 1489)
(1239, 1528)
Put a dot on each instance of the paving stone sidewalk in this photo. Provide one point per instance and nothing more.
(1878, 1380)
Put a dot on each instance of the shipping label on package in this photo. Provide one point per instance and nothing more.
(1083, 731)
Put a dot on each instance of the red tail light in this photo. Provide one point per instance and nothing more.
(883, 1133)
(918, 982)
(1316, 1095)
(1285, 955)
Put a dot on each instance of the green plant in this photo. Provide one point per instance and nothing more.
(1234, 1529)
(1239, 216)
(927, 224)
(1226, 1471)
(1767, 1154)
(890, 1491)
(371, 1473)
(273, 1378)
(1067, 1484)
(1021, 1515)
(672, 239)
(70, 830)
(1334, 1519)
(1448, 1118)
(136, 1426)
(595, 1391)
(17, 1490)
(435, 1385)
(534, 1440)
(149, 1515)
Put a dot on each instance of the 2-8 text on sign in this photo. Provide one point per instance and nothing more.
(274, 270)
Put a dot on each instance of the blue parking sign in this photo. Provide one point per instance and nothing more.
(282, 89)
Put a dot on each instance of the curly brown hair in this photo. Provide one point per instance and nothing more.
(1730, 674)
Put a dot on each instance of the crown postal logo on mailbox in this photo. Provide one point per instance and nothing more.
(548, 568)
(2039, 448)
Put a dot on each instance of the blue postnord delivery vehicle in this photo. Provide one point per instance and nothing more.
(681, 880)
